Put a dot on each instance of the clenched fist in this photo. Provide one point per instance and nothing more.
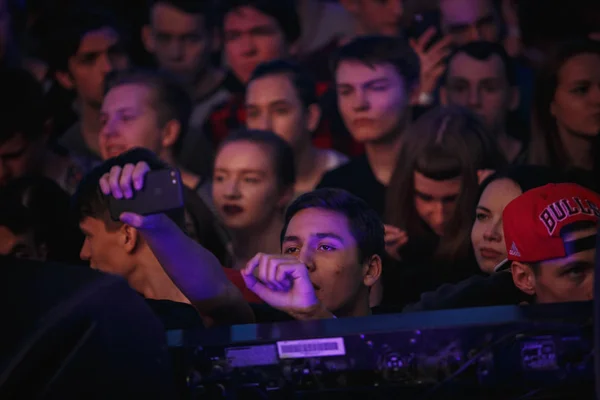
(283, 283)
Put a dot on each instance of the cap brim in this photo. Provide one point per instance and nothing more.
(502, 265)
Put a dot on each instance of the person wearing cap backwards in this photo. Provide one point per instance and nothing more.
(550, 236)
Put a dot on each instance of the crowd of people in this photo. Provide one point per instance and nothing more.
(336, 160)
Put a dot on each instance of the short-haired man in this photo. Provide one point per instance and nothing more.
(376, 17)
(151, 110)
(254, 31)
(482, 77)
(35, 223)
(25, 148)
(463, 22)
(86, 45)
(145, 109)
(550, 235)
(468, 21)
(282, 97)
(143, 254)
(182, 37)
(375, 77)
(331, 249)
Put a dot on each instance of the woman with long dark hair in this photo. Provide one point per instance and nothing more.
(432, 193)
(436, 181)
(566, 108)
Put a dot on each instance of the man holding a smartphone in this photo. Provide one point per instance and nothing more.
(331, 247)
(146, 251)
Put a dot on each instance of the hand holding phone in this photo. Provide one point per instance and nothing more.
(136, 190)
(432, 49)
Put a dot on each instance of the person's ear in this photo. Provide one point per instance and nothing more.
(313, 117)
(170, 133)
(372, 270)
(148, 39)
(64, 79)
(523, 277)
(129, 238)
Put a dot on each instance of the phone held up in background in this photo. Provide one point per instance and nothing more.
(421, 22)
(162, 192)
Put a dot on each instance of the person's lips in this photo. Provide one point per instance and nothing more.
(232, 209)
(490, 254)
(362, 122)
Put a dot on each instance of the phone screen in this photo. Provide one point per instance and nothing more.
(422, 22)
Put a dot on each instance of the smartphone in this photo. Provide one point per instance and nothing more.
(421, 22)
(162, 192)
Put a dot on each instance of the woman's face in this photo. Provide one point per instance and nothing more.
(245, 188)
(487, 235)
(576, 103)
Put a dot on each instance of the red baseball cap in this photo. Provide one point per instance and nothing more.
(533, 221)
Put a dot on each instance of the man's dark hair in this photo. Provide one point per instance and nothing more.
(283, 155)
(23, 108)
(365, 224)
(68, 30)
(482, 51)
(283, 11)
(203, 8)
(89, 201)
(302, 81)
(377, 50)
(170, 100)
(39, 206)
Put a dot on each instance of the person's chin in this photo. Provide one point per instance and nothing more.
(486, 265)
(236, 222)
(366, 135)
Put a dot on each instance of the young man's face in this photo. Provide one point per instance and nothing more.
(179, 41)
(99, 53)
(272, 104)
(128, 120)
(251, 38)
(104, 248)
(322, 240)
(481, 86)
(19, 156)
(21, 246)
(373, 100)
(467, 21)
(377, 17)
(435, 201)
(569, 278)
